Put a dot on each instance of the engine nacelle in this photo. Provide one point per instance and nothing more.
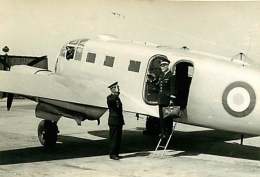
(53, 110)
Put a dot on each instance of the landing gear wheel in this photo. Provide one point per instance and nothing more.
(48, 133)
(152, 126)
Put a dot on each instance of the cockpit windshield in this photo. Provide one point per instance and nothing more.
(73, 49)
(63, 51)
(82, 42)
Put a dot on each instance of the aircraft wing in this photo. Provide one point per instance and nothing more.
(51, 86)
(86, 90)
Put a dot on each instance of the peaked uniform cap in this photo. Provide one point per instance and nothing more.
(164, 62)
(112, 85)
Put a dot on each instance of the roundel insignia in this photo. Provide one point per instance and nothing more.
(239, 99)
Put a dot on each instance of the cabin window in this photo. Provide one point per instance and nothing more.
(78, 54)
(91, 57)
(134, 66)
(109, 61)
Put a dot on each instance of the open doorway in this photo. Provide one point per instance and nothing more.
(183, 71)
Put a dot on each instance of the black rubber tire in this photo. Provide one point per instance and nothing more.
(152, 126)
(48, 133)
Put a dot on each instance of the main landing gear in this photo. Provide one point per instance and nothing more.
(241, 139)
(48, 133)
(152, 126)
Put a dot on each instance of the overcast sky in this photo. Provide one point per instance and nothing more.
(41, 27)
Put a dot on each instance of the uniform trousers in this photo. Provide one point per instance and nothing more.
(165, 123)
(115, 136)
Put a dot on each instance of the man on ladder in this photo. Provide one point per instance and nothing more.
(167, 90)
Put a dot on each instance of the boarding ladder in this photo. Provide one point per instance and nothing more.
(164, 144)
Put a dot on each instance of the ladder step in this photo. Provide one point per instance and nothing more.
(167, 142)
(161, 146)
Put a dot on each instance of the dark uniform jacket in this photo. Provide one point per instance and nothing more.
(167, 87)
(115, 111)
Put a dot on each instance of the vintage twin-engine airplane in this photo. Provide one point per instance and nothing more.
(214, 91)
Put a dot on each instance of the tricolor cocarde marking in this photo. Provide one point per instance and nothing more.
(239, 99)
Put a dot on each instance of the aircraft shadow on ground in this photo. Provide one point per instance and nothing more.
(192, 143)
(70, 147)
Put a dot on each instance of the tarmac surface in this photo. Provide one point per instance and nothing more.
(82, 150)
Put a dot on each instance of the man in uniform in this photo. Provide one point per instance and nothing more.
(115, 120)
(167, 93)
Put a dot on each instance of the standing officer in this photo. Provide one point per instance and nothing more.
(166, 94)
(115, 120)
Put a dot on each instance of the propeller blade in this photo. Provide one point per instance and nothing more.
(10, 98)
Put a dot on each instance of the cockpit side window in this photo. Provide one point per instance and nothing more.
(78, 54)
(70, 52)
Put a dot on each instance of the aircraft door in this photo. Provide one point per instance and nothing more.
(151, 86)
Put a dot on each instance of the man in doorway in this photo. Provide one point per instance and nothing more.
(115, 120)
(167, 93)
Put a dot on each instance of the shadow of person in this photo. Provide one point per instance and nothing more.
(185, 153)
(136, 154)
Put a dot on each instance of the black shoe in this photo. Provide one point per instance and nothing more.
(114, 157)
(119, 157)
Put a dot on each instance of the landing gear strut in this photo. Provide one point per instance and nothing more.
(241, 139)
(48, 133)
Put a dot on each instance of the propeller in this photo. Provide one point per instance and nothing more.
(10, 98)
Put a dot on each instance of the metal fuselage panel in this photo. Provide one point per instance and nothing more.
(207, 97)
